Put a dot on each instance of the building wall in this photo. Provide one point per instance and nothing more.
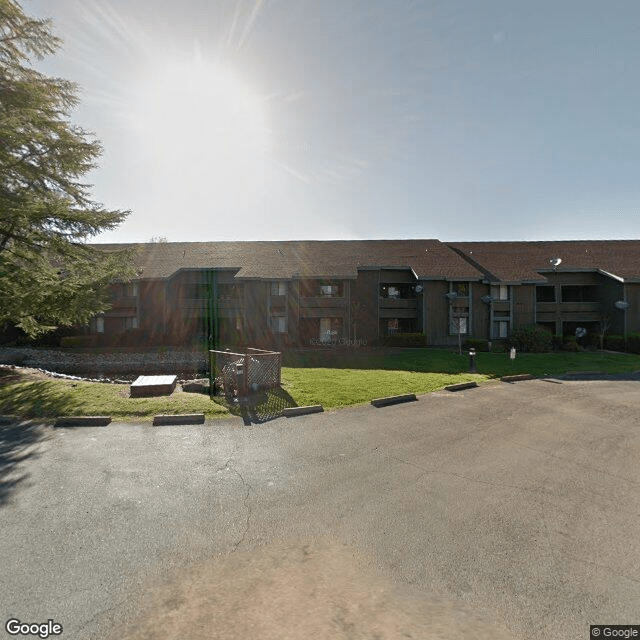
(364, 305)
(633, 312)
(179, 307)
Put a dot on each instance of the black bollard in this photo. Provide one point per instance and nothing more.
(472, 361)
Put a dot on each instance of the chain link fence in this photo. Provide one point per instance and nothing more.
(242, 375)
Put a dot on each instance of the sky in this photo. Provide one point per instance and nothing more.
(343, 119)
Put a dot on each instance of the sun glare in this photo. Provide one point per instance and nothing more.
(206, 129)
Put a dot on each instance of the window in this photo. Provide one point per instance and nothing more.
(395, 291)
(330, 289)
(131, 290)
(461, 288)
(500, 329)
(278, 288)
(131, 323)
(500, 292)
(458, 324)
(99, 324)
(279, 324)
(545, 293)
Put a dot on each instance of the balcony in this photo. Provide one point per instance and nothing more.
(125, 301)
(398, 307)
(397, 303)
(123, 307)
(322, 302)
(575, 311)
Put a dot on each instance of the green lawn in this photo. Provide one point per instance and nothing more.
(35, 396)
(330, 378)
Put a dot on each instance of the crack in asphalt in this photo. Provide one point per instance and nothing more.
(247, 506)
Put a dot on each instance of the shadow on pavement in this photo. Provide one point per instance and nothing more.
(579, 377)
(17, 445)
(262, 407)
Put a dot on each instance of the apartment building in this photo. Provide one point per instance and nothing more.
(306, 293)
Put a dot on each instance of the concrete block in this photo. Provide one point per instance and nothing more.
(289, 412)
(517, 378)
(186, 418)
(384, 402)
(153, 386)
(461, 386)
(82, 421)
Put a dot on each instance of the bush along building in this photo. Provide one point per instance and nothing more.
(315, 293)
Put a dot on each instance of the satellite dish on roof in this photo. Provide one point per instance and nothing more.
(418, 288)
(452, 296)
(555, 261)
(621, 304)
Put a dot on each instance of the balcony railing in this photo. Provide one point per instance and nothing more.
(398, 303)
(568, 307)
(323, 302)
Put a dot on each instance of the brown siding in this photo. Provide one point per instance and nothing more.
(633, 312)
(437, 313)
(524, 305)
(364, 298)
(479, 311)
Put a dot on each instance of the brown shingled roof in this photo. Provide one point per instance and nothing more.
(429, 259)
(524, 261)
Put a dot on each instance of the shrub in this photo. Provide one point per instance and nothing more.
(532, 338)
(556, 341)
(499, 346)
(476, 343)
(633, 342)
(570, 344)
(404, 340)
(79, 342)
(614, 342)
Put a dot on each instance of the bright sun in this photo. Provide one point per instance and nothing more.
(207, 130)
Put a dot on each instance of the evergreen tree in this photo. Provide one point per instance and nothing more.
(49, 275)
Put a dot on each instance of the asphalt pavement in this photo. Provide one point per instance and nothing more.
(505, 511)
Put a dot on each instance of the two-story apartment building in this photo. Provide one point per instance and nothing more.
(316, 292)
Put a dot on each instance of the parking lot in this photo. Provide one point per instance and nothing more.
(509, 511)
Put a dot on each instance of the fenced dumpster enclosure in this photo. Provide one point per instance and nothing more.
(240, 375)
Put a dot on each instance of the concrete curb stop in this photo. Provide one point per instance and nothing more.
(517, 378)
(289, 412)
(384, 402)
(185, 418)
(461, 385)
(82, 421)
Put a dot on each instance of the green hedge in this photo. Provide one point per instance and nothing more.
(532, 339)
(404, 340)
(476, 343)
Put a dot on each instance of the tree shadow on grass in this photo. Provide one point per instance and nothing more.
(25, 397)
(261, 407)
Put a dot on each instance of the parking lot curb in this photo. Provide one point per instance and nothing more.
(461, 386)
(384, 402)
(289, 412)
(185, 418)
(82, 421)
(517, 378)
